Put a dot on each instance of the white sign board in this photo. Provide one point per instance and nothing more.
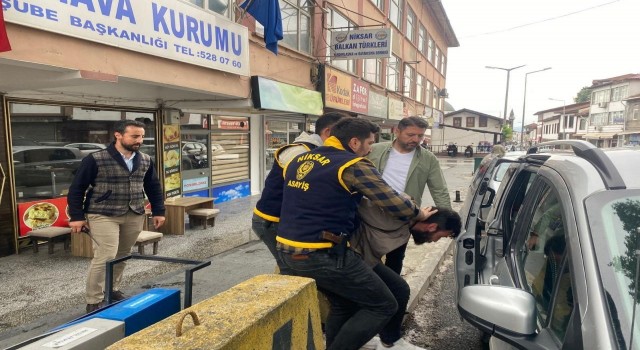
(166, 28)
(352, 44)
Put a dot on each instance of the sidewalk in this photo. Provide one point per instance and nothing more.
(41, 291)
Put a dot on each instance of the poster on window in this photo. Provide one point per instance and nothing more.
(43, 213)
(171, 155)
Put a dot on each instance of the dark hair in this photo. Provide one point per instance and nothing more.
(327, 120)
(348, 128)
(412, 121)
(447, 219)
(122, 125)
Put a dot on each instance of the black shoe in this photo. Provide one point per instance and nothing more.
(93, 307)
(117, 295)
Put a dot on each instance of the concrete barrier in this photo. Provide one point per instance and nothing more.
(264, 312)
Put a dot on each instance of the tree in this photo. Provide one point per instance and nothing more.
(583, 95)
(507, 132)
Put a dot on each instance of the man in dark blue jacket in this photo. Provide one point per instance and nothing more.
(117, 179)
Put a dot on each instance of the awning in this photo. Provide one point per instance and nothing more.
(630, 132)
(602, 135)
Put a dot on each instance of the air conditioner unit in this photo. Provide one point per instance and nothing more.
(603, 104)
(598, 128)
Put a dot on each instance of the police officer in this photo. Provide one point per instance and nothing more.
(266, 214)
(320, 197)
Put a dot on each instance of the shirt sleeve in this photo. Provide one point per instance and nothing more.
(364, 178)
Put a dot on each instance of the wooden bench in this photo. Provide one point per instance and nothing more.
(51, 235)
(202, 216)
(148, 237)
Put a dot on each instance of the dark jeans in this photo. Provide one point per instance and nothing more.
(401, 291)
(267, 231)
(395, 257)
(361, 303)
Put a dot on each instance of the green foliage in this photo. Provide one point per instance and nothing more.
(507, 132)
(629, 214)
(583, 95)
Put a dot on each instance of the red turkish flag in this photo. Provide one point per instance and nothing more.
(4, 39)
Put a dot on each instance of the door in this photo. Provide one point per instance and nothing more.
(482, 244)
(195, 160)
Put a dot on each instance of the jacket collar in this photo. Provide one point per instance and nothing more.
(333, 141)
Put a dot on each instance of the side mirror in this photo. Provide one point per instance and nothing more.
(507, 313)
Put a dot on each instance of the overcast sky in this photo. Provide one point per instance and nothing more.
(581, 40)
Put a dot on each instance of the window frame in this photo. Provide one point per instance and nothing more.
(396, 77)
(396, 7)
(408, 80)
(422, 39)
(410, 26)
(332, 15)
(420, 82)
(206, 6)
(378, 70)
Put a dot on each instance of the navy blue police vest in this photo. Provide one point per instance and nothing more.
(268, 206)
(316, 199)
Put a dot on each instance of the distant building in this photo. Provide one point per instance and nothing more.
(466, 127)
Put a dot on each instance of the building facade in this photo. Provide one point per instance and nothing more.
(467, 128)
(215, 102)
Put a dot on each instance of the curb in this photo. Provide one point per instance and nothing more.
(421, 266)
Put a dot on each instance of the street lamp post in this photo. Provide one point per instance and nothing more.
(563, 114)
(506, 94)
(524, 102)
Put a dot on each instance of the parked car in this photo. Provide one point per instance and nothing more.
(86, 147)
(44, 171)
(492, 169)
(554, 264)
(194, 155)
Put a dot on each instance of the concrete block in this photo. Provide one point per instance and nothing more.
(264, 312)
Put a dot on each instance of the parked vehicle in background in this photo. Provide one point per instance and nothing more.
(44, 171)
(86, 147)
(489, 173)
(194, 155)
(554, 263)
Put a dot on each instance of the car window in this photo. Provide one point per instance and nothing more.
(514, 198)
(614, 225)
(500, 171)
(542, 255)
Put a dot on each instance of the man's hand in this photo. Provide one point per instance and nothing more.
(76, 226)
(425, 213)
(158, 221)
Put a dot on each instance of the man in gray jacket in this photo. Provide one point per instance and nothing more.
(408, 168)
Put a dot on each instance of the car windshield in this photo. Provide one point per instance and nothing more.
(614, 219)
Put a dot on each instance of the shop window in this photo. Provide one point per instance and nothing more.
(229, 149)
(277, 134)
(48, 143)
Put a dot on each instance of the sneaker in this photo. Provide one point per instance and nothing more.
(117, 295)
(372, 344)
(400, 344)
(93, 307)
